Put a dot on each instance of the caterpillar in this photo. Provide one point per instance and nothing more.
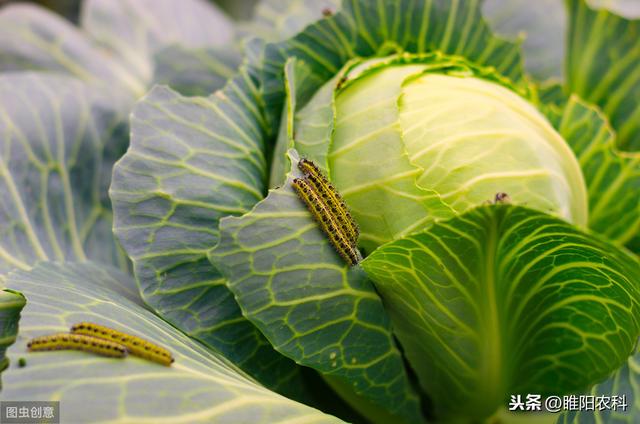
(327, 220)
(135, 345)
(332, 199)
(341, 82)
(501, 198)
(64, 341)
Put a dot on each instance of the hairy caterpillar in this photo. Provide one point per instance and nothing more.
(332, 199)
(327, 220)
(65, 341)
(135, 345)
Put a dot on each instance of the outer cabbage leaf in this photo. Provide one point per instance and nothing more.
(124, 45)
(200, 386)
(542, 24)
(32, 38)
(275, 20)
(191, 162)
(312, 307)
(58, 140)
(602, 67)
(308, 121)
(198, 71)
(504, 300)
(612, 176)
(135, 30)
(624, 382)
(308, 130)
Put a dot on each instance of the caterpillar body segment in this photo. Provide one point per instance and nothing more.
(332, 198)
(327, 220)
(66, 341)
(135, 345)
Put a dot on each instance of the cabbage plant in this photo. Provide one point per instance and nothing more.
(421, 116)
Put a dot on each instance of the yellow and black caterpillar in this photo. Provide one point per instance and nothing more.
(329, 210)
(64, 341)
(135, 345)
(103, 341)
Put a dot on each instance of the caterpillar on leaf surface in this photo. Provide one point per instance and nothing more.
(66, 341)
(332, 198)
(329, 210)
(135, 345)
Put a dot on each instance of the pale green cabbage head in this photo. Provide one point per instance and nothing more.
(457, 138)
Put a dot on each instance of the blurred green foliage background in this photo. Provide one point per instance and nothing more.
(238, 9)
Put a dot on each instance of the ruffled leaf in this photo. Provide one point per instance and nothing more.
(200, 386)
(612, 177)
(191, 162)
(602, 67)
(308, 129)
(135, 30)
(311, 306)
(59, 138)
(275, 20)
(504, 300)
(195, 72)
(32, 38)
(624, 384)
(541, 23)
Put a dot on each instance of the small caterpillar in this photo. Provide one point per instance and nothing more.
(135, 345)
(63, 341)
(332, 199)
(341, 82)
(501, 198)
(327, 220)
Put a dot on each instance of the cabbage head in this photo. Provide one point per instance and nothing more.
(147, 162)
